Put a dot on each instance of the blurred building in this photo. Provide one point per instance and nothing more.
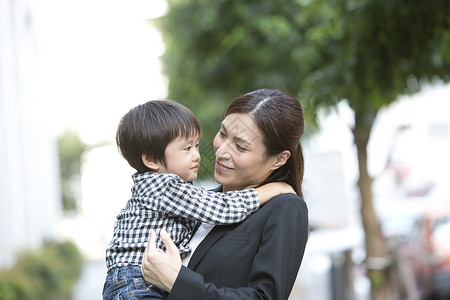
(407, 157)
(29, 179)
(416, 134)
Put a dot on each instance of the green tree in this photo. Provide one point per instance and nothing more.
(71, 150)
(367, 52)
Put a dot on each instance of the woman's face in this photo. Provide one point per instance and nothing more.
(241, 162)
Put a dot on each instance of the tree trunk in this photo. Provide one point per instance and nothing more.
(376, 251)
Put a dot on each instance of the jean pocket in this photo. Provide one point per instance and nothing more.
(148, 294)
(112, 291)
(142, 288)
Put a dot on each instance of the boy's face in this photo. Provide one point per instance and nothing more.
(182, 158)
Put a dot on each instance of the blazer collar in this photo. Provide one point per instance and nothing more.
(213, 236)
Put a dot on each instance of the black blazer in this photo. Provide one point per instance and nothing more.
(258, 258)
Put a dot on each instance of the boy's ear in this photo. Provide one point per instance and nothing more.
(281, 159)
(149, 162)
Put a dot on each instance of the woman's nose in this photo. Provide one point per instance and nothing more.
(222, 151)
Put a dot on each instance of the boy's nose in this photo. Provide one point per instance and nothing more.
(196, 156)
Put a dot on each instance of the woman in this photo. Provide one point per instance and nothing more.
(259, 142)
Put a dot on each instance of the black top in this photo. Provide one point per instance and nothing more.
(257, 258)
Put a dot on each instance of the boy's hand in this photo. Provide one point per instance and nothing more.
(272, 189)
(281, 187)
(284, 188)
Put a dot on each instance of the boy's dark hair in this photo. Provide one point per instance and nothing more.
(148, 128)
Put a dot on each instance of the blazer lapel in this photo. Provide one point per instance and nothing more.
(216, 233)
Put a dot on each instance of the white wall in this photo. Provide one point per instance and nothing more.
(29, 195)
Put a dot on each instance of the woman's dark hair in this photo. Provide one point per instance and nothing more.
(279, 117)
(148, 128)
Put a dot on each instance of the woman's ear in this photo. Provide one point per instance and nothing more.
(281, 159)
(150, 162)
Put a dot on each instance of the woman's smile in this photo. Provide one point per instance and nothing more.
(222, 168)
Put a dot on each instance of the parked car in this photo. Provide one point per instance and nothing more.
(428, 251)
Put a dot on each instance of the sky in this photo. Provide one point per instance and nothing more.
(96, 60)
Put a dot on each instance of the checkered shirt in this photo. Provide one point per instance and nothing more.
(166, 201)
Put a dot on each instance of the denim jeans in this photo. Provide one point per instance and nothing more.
(128, 283)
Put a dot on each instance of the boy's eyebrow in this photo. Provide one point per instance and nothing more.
(192, 139)
(195, 139)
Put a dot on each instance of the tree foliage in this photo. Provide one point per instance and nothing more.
(217, 50)
(71, 150)
(367, 52)
(47, 273)
(379, 50)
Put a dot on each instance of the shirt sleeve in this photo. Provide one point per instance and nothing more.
(183, 199)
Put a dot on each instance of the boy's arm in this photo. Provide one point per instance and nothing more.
(182, 199)
(272, 189)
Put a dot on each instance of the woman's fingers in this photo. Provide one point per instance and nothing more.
(170, 246)
(159, 267)
(151, 245)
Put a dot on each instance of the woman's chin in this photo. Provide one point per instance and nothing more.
(221, 177)
(217, 177)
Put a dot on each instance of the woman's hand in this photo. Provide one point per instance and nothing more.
(159, 267)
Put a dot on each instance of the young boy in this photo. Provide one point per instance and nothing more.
(160, 140)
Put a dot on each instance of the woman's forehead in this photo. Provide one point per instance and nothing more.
(241, 126)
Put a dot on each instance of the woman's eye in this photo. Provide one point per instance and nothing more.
(240, 148)
(222, 134)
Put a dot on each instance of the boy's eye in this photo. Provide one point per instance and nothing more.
(198, 145)
(187, 148)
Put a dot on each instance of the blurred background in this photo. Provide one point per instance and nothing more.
(372, 77)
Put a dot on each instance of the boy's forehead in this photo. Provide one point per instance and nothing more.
(193, 136)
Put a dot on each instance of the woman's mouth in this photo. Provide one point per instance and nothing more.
(221, 167)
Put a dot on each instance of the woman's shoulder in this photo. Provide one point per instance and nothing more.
(285, 211)
(287, 201)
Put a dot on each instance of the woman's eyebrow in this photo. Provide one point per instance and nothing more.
(241, 140)
(237, 138)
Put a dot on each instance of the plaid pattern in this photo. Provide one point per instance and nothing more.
(166, 201)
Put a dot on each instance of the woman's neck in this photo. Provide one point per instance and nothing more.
(227, 188)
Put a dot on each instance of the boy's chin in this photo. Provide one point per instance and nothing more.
(191, 178)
